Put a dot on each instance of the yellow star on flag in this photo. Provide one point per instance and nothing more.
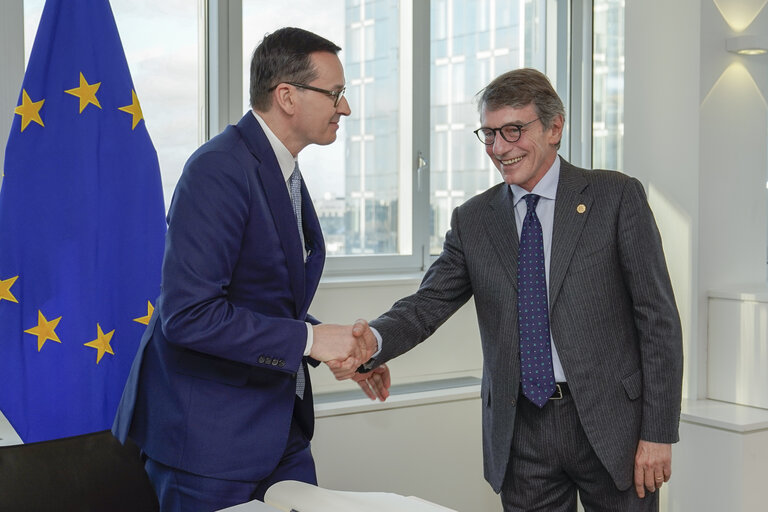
(101, 343)
(5, 289)
(44, 330)
(29, 110)
(134, 109)
(142, 319)
(86, 92)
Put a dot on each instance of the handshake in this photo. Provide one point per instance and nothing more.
(344, 348)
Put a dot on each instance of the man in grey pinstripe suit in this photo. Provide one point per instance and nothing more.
(616, 341)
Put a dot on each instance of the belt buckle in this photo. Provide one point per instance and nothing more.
(558, 393)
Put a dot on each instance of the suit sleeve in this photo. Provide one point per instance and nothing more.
(445, 288)
(207, 221)
(655, 315)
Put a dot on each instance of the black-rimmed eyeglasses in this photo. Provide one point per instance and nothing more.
(336, 95)
(509, 132)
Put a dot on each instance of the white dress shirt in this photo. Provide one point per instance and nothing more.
(287, 163)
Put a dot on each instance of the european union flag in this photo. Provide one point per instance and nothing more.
(81, 228)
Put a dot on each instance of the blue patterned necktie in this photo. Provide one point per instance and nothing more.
(537, 375)
(295, 185)
(295, 182)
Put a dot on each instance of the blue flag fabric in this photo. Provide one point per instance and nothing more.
(81, 228)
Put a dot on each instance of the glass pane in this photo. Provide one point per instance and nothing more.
(473, 41)
(608, 84)
(161, 44)
(354, 182)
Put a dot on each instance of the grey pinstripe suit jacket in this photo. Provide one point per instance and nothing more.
(612, 314)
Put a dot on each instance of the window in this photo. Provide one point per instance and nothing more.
(356, 182)
(363, 185)
(608, 84)
(472, 42)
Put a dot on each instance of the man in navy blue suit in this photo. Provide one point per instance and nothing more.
(219, 398)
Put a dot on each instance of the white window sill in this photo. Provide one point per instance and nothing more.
(403, 395)
(725, 416)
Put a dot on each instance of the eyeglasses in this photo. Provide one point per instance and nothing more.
(336, 95)
(509, 132)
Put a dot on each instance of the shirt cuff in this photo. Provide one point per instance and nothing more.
(311, 339)
(378, 340)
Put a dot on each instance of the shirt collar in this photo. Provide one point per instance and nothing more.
(285, 159)
(546, 187)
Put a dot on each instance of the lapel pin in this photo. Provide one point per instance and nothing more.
(581, 208)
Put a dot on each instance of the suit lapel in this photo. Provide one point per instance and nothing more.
(315, 247)
(278, 198)
(502, 230)
(573, 205)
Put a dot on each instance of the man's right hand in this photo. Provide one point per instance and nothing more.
(337, 343)
(362, 331)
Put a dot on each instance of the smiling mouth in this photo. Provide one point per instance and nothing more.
(511, 161)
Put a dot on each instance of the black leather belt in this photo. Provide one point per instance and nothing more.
(561, 390)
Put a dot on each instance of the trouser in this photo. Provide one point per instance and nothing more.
(180, 491)
(552, 460)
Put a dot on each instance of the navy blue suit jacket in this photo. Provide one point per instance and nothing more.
(212, 388)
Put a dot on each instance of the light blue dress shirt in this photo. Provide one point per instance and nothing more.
(545, 210)
(546, 188)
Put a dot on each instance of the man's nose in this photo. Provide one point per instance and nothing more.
(343, 107)
(500, 145)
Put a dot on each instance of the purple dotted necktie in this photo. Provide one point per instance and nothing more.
(295, 184)
(537, 375)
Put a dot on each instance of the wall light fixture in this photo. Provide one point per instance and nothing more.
(747, 45)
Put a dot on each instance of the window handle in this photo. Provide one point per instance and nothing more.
(421, 165)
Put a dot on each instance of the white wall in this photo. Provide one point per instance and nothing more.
(733, 155)
(428, 448)
(695, 132)
(661, 140)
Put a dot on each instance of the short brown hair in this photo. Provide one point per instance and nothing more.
(284, 56)
(520, 88)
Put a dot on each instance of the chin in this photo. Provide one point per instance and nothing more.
(508, 178)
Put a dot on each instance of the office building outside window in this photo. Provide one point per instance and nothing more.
(608, 84)
(354, 182)
(472, 43)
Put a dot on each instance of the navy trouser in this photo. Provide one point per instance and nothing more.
(179, 491)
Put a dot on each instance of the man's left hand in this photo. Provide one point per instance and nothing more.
(653, 466)
(375, 383)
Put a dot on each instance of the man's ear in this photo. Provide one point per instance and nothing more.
(284, 98)
(556, 129)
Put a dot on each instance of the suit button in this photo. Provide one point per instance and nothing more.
(274, 362)
(268, 360)
(512, 402)
(281, 364)
(261, 359)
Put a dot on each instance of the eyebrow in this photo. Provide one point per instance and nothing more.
(517, 123)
